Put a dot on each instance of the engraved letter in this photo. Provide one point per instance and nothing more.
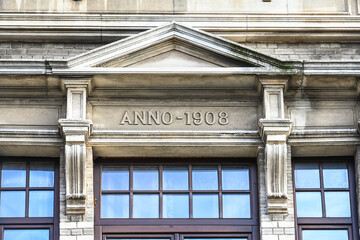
(163, 118)
(126, 119)
(152, 117)
(141, 118)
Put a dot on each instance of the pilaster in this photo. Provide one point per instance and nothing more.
(274, 130)
(75, 130)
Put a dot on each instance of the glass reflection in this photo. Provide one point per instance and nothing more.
(115, 206)
(146, 178)
(205, 206)
(325, 234)
(335, 175)
(205, 178)
(307, 175)
(308, 204)
(176, 206)
(13, 175)
(146, 206)
(236, 205)
(12, 204)
(115, 178)
(337, 204)
(235, 178)
(175, 178)
(26, 234)
(41, 204)
(41, 174)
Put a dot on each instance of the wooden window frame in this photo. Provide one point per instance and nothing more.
(328, 223)
(224, 226)
(51, 223)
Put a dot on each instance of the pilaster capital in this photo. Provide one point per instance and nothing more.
(75, 130)
(76, 82)
(273, 81)
(275, 130)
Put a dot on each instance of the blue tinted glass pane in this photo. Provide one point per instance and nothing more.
(140, 239)
(115, 206)
(175, 178)
(236, 205)
(41, 174)
(205, 178)
(26, 234)
(146, 206)
(146, 178)
(176, 206)
(13, 175)
(335, 175)
(337, 204)
(307, 175)
(41, 204)
(235, 178)
(115, 178)
(325, 234)
(12, 204)
(308, 204)
(205, 206)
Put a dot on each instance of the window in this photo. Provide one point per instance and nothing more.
(28, 193)
(325, 199)
(176, 196)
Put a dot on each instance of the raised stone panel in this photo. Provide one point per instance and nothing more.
(174, 117)
(330, 6)
(26, 115)
(324, 117)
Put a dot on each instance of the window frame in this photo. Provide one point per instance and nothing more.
(51, 223)
(172, 225)
(327, 223)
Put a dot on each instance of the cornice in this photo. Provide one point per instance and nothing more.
(106, 28)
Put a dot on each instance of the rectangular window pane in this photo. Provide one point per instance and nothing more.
(325, 234)
(41, 174)
(115, 206)
(307, 175)
(337, 204)
(335, 175)
(146, 178)
(146, 206)
(176, 206)
(175, 178)
(235, 178)
(205, 205)
(205, 178)
(216, 238)
(12, 204)
(308, 204)
(13, 175)
(41, 204)
(26, 234)
(236, 205)
(115, 178)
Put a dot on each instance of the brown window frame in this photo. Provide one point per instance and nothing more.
(328, 223)
(148, 227)
(51, 223)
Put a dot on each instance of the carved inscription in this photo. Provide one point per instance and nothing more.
(139, 117)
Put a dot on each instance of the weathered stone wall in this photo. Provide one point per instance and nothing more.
(170, 6)
(283, 51)
(77, 227)
(275, 226)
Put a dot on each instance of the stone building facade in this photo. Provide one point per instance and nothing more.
(179, 120)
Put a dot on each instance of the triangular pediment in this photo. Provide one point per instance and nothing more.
(170, 47)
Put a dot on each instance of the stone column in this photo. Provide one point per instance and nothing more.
(274, 130)
(76, 129)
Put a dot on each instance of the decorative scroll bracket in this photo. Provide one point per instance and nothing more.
(275, 129)
(76, 130)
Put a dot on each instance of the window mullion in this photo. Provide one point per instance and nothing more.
(131, 188)
(220, 193)
(160, 191)
(27, 200)
(322, 190)
(190, 192)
